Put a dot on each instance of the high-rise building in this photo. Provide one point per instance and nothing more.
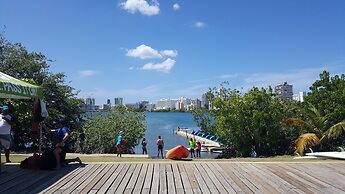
(205, 102)
(284, 91)
(300, 96)
(118, 101)
(108, 102)
(90, 103)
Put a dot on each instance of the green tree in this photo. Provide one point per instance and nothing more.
(102, 130)
(251, 120)
(314, 127)
(33, 67)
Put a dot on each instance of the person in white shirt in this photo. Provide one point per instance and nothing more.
(6, 122)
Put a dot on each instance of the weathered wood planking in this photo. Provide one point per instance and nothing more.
(179, 177)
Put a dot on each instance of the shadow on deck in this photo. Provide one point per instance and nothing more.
(13, 179)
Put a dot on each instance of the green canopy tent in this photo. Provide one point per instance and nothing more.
(11, 87)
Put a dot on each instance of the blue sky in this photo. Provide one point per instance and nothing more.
(148, 50)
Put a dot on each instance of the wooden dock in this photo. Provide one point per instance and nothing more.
(179, 177)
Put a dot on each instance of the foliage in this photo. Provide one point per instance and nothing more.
(314, 128)
(250, 121)
(204, 120)
(102, 130)
(33, 67)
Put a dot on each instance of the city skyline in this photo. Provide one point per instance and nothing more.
(143, 49)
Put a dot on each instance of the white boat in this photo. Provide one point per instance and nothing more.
(335, 155)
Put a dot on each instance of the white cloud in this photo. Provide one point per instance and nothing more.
(144, 52)
(131, 68)
(199, 24)
(164, 67)
(169, 53)
(142, 6)
(176, 7)
(87, 73)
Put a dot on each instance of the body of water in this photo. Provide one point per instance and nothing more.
(164, 124)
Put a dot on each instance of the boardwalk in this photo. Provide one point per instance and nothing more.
(179, 177)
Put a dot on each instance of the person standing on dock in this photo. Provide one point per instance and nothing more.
(192, 147)
(119, 144)
(198, 149)
(160, 145)
(143, 144)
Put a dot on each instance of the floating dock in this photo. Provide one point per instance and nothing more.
(204, 142)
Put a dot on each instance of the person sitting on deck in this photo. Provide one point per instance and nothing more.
(62, 143)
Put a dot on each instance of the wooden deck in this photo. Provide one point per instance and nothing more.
(179, 177)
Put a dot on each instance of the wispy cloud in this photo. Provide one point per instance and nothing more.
(141, 6)
(228, 76)
(199, 24)
(169, 53)
(176, 7)
(164, 67)
(87, 73)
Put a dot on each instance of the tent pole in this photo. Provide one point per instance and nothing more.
(40, 142)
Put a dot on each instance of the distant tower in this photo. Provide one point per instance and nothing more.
(90, 103)
(284, 91)
(118, 101)
(108, 101)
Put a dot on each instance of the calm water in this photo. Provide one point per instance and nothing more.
(164, 124)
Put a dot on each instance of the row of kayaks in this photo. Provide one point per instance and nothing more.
(205, 135)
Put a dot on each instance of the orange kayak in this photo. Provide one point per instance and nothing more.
(177, 153)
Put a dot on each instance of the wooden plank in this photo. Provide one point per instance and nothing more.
(155, 179)
(259, 182)
(20, 183)
(228, 179)
(104, 187)
(79, 179)
(118, 179)
(202, 183)
(211, 174)
(283, 174)
(125, 181)
(255, 187)
(162, 179)
(238, 181)
(327, 175)
(148, 179)
(276, 182)
(9, 176)
(51, 178)
(142, 176)
(191, 181)
(95, 180)
(133, 181)
(218, 177)
(105, 178)
(208, 180)
(88, 179)
(170, 179)
(177, 178)
(65, 180)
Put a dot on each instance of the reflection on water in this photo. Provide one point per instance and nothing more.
(164, 124)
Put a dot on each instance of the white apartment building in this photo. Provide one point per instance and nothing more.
(300, 96)
(284, 91)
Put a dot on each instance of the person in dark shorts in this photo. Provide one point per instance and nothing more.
(160, 145)
(144, 144)
(62, 144)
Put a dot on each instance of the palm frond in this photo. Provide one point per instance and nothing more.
(336, 130)
(296, 122)
(306, 141)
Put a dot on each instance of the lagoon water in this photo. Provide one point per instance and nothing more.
(164, 124)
